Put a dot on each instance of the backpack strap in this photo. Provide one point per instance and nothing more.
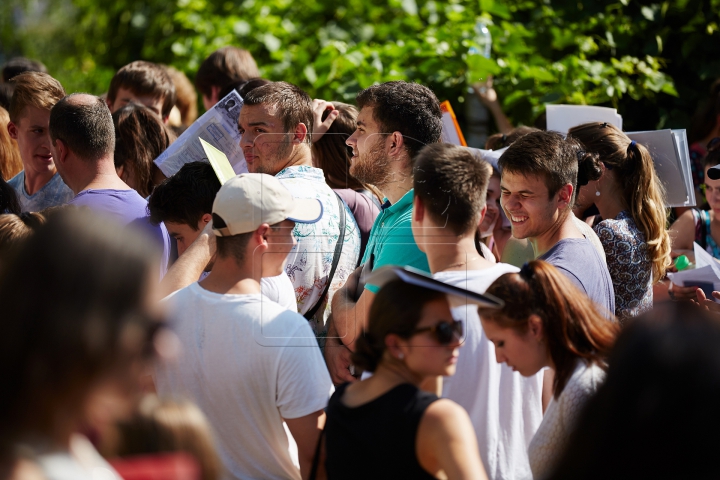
(336, 259)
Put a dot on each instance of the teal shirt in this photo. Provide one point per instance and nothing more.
(391, 239)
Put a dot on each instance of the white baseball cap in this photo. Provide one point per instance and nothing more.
(250, 199)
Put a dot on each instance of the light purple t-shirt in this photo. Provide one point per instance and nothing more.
(127, 207)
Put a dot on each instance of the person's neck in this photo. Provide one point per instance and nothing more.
(447, 253)
(227, 277)
(100, 175)
(388, 375)
(34, 181)
(399, 183)
(300, 157)
(561, 229)
(610, 202)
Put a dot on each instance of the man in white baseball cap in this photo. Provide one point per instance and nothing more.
(246, 361)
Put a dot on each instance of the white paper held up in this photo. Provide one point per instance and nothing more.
(561, 118)
(218, 127)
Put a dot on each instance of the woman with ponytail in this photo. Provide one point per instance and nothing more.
(623, 185)
(400, 430)
(555, 326)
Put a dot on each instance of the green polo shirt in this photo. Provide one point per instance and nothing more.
(391, 239)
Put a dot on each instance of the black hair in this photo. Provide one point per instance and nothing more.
(186, 196)
(16, 66)
(409, 108)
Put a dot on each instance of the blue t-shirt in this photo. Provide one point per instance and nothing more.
(581, 263)
(128, 208)
(52, 194)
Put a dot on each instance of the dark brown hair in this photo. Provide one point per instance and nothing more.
(706, 116)
(452, 185)
(642, 192)
(84, 125)
(33, 89)
(544, 154)
(186, 196)
(409, 108)
(397, 309)
(224, 66)
(90, 325)
(501, 140)
(242, 87)
(16, 66)
(293, 105)
(573, 325)
(140, 137)
(186, 96)
(144, 78)
(10, 160)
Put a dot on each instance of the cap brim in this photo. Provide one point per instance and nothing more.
(714, 172)
(456, 296)
(306, 210)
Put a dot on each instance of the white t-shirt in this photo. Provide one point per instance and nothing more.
(279, 289)
(505, 407)
(560, 418)
(80, 462)
(248, 364)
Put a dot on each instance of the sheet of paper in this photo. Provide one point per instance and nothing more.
(218, 127)
(451, 132)
(707, 270)
(668, 165)
(683, 151)
(219, 162)
(561, 118)
(490, 156)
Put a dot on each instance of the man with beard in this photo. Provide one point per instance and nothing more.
(396, 120)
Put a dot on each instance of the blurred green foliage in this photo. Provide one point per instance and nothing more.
(652, 61)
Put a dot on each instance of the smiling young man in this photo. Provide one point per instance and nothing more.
(539, 179)
(276, 124)
(144, 83)
(396, 120)
(38, 186)
(249, 364)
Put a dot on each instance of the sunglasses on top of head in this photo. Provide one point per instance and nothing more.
(443, 331)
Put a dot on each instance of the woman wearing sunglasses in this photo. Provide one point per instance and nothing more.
(697, 225)
(548, 323)
(397, 429)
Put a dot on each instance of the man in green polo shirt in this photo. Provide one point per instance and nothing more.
(396, 120)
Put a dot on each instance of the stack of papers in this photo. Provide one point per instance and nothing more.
(705, 275)
(561, 118)
(669, 150)
(218, 127)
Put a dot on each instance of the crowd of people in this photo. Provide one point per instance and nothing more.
(366, 301)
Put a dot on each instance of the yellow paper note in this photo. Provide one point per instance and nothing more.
(219, 162)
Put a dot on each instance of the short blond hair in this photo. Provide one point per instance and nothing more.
(34, 89)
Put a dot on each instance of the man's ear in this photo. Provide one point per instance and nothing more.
(62, 151)
(300, 134)
(205, 219)
(12, 130)
(109, 104)
(215, 94)
(565, 195)
(418, 212)
(395, 144)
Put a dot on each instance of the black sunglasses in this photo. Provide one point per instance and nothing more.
(444, 331)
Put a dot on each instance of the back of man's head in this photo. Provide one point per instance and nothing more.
(291, 104)
(544, 154)
(16, 66)
(33, 89)
(225, 66)
(452, 185)
(186, 196)
(409, 108)
(144, 79)
(84, 124)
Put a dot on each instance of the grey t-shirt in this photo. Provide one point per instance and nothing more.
(582, 264)
(52, 194)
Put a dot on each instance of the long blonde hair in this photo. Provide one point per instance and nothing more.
(643, 193)
(10, 161)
